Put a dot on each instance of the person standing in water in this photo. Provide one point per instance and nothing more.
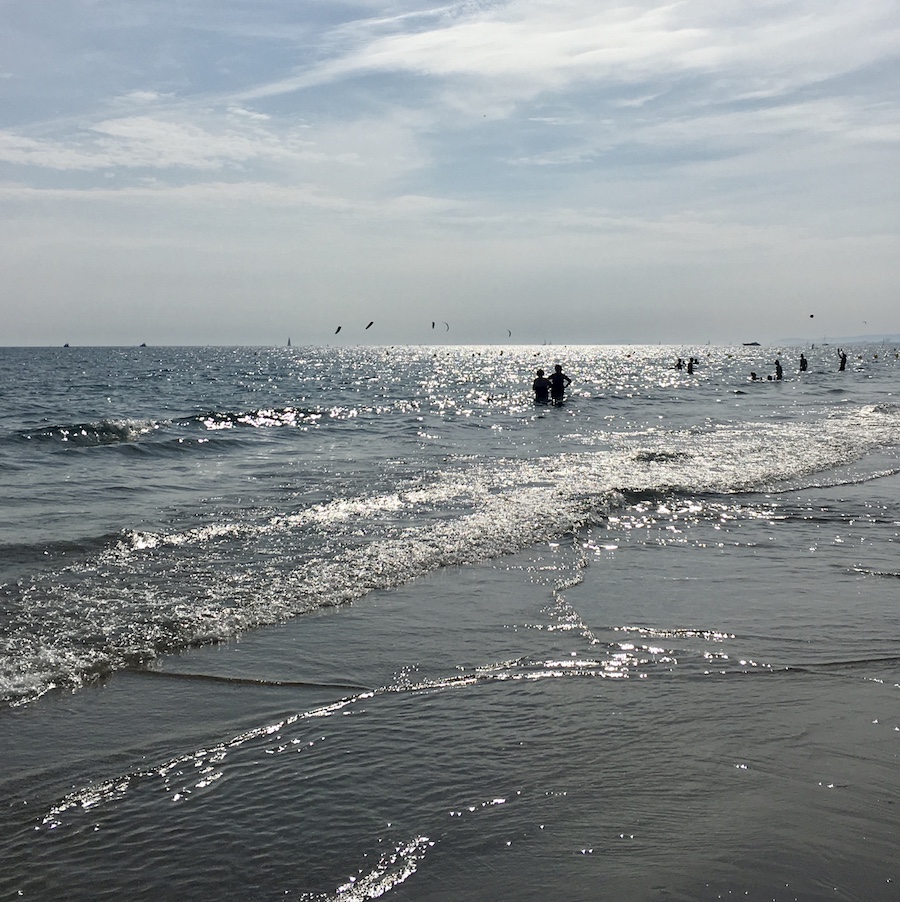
(779, 372)
(843, 365)
(558, 382)
(541, 388)
(803, 363)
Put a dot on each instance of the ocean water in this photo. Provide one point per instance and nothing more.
(343, 623)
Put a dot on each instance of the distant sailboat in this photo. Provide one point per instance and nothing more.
(289, 342)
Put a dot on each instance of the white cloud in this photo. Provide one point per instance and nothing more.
(142, 97)
(535, 46)
(151, 142)
(235, 196)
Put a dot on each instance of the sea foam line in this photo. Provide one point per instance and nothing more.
(112, 613)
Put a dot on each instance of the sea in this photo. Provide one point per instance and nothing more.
(341, 623)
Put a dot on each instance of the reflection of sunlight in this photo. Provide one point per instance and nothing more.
(393, 868)
(637, 653)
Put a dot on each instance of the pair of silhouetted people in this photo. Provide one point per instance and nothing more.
(552, 389)
(779, 374)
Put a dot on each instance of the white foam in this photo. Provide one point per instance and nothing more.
(158, 591)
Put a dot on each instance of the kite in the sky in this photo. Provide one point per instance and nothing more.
(370, 323)
(448, 327)
(338, 330)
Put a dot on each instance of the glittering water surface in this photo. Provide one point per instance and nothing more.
(341, 623)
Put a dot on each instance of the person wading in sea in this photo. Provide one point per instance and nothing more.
(541, 388)
(558, 382)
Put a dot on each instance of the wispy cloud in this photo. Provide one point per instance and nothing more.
(532, 47)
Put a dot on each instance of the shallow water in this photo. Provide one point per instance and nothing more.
(644, 646)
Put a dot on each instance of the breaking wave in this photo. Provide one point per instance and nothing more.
(149, 592)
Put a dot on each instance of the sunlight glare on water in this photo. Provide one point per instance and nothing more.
(429, 640)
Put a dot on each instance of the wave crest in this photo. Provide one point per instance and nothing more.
(103, 432)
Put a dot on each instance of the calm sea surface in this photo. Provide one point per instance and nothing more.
(337, 623)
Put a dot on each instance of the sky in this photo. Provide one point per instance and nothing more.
(230, 172)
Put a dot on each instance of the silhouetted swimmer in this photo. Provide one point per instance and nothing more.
(690, 367)
(754, 377)
(779, 372)
(804, 363)
(541, 387)
(679, 364)
(843, 365)
(558, 382)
